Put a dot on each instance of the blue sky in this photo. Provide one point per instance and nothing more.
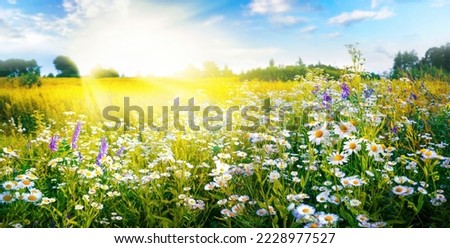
(160, 37)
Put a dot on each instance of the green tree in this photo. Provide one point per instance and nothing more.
(404, 63)
(99, 72)
(210, 69)
(65, 67)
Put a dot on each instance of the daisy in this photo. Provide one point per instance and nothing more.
(337, 158)
(6, 197)
(26, 183)
(9, 185)
(274, 175)
(374, 149)
(319, 135)
(303, 210)
(402, 190)
(322, 197)
(328, 219)
(362, 218)
(262, 212)
(344, 129)
(352, 146)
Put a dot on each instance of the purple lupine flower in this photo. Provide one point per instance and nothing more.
(53, 145)
(412, 96)
(395, 130)
(345, 91)
(389, 88)
(120, 151)
(76, 133)
(103, 150)
(326, 99)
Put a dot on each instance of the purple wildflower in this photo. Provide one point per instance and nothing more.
(412, 96)
(345, 91)
(103, 150)
(120, 151)
(53, 145)
(395, 130)
(326, 99)
(76, 133)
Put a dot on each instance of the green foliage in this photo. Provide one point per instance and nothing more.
(18, 67)
(99, 72)
(65, 67)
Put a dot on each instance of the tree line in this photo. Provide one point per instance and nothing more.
(435, 64)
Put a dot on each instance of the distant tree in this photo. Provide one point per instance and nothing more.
(405, 63)
(18, 67)
(210, 69)
(65, 67)
(300, 62)
(226, 72)
(272, 63)
(438, 57)
(50, 75)
(99, 72)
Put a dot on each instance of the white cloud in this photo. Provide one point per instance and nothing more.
(269, 6)
(12, 1)
(284, 20)
(308, 29)
(348, 18)
(439, 3)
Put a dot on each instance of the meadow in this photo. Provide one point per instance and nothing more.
(358, 153)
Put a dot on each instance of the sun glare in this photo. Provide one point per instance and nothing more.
(161, 42)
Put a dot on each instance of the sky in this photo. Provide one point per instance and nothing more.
(143, 37)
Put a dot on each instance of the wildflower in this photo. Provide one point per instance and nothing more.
(322, 197)
(344, 129)
(53, 145)
(303, 210)
(326, 100)
(319, 135)
(328, 219)
(262, 212)
(274, 175)
(362, 218)
(32, 197)
(402, 190)
(46, 200)
(120, 151)
(374, 149)
(345, 91)
(6, 197)
(10, 185)
(337, 158)
(354, 202)
(26, 183)
(103, 150)
(352, 146)
(75, 135)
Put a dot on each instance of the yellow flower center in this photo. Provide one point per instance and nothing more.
(355, 182)
(318, 134)
(343, 128)
(328, 218)
(428, 153)
(338, 157)
(314, 225)
(373, 148)
(352, 146)
(8, 186)
(32, 198)
(305, 210)
(26, 182)
(398, 190)
(7, 198)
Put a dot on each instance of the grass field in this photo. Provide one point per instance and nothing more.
(356, 154)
